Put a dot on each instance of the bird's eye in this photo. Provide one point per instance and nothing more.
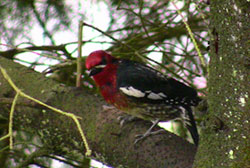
(104, 61)
(95, 71)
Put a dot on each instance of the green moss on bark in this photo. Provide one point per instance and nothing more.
(228, 84)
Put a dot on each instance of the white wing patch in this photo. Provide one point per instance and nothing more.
(130, 91)
(162, 94)
(155, 96)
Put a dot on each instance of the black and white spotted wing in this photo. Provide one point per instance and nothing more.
(147, 85)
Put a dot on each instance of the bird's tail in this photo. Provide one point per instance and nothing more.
(191, 125)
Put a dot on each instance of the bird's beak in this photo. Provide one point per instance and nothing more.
(94, 71)
(97, 69)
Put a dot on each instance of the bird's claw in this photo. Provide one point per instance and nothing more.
(108, 108)
(140, 137)
(125, 119)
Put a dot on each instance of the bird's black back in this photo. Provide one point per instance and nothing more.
(145, 79)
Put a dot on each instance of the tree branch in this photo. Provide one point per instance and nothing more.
(109, 142)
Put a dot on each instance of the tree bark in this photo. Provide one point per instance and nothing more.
(109, 142)
(225, 141)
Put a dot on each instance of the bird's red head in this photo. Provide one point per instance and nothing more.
(97, 61)
(98, 57)
(103, 68)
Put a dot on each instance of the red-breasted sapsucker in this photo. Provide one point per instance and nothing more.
(142, 91)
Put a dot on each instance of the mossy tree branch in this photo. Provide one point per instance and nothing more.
(110, 143)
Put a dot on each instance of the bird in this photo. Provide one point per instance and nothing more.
(142, 91)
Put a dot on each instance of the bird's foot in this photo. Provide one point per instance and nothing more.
(141, 137)
(108, 108)
(126, 119)
(148, 132)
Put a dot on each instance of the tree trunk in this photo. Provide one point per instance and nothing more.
(225, 141)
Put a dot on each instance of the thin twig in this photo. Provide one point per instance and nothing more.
(11, 119)
(63, 160)
(31, 158)
(43, 24)
(4, 137)
(79, 62)
(17, 50)
(191, 36)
